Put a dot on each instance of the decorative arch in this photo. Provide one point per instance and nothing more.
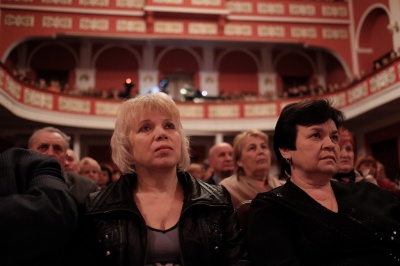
(372, 36)
(115, 64)
(181, 67)
(238, 72)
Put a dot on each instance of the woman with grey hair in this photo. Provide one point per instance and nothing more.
(156, 213)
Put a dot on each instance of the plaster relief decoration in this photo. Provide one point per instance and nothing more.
(125, 25)
(130, 3)
(57, 2)
(338, 100)
(38, 99)
(358, 92)
(334, 11)
(93, 24)
(57, 22)
(74, 105)
(271, 31)
(13, 88)
(382, 79)
(168, 27)
(223, 111)
(203, 28)
(191, 111)
(240, 7)
(25, 1)
(93, 2)
(19, 21)
(256, 110)
(270, 9)
(175, 2)
(337, 34)
(106, 108)
(206, 2)
(238, 30)
(302, 10)
(303, 32)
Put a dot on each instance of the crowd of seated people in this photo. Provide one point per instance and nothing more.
(295, 91)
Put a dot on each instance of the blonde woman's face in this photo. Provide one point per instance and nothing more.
(155, 142)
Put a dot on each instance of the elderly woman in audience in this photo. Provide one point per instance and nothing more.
(346, 172)
(156, 213)
(311, 220)
(366, 165)
(252, 159)
(90, 168)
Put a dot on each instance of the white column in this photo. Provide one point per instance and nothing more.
(208, 77)
(85, 73)
(219, 137)
(394, 6)
(76, 145)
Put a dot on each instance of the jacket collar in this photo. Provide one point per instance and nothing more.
(119, 195)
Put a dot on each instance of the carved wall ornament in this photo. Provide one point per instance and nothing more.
(94, 24)
(57, 22)
(125, 25)
(271, 31)
(19, 20)
(271, 9)
(203, 28)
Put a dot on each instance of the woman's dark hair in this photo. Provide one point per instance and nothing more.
(304, 113)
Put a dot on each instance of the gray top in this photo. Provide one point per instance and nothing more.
(163, 247)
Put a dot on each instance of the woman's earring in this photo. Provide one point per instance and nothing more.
(288, 160)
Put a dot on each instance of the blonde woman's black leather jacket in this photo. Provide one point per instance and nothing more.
(208, 227)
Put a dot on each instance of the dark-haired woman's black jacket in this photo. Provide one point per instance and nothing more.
(208, 226)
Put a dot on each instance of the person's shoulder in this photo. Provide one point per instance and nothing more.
(216, 192)
(80, 180)
(229, 180)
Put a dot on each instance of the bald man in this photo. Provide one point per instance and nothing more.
(220, 159)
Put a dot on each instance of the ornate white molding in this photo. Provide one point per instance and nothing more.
(106, 108)
(175, 2)
(25, 1)
(358, 92)
(130, 3)
(340, 34)
(302, 10)
(303, 32)
(57, 2)
(13, 88)
(1, 78)
(238, 30)
(57, 22)
(94, 3)
(257, 110)
(94, 24)
(70, 104)
(19, 20)
(240, 7)
(203, 28)
(125, 25)
(270, 31)
(338, 100)
(271, 9)
(168, 27)
(35, 98)
(382, 80)
(334, 11)
(191, 111)
(206, 2)
(223, 111)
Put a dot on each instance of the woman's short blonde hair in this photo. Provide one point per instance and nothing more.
(88, 161)
(128, 114)
(238, 145)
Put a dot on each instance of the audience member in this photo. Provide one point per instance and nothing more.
(164, 216)
(116, 174)
(54, 143)
(383, 181)
(105, 177)
(221, 161)
(37, 212)
(311, 220)
(196, 170)
(90, 168)
(252, 159)
(366, 165)
(72, 162)
(346, 172)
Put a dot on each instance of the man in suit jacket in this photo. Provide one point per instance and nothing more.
(220, 159)
(37, 212)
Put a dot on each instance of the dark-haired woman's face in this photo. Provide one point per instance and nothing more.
(317, 150)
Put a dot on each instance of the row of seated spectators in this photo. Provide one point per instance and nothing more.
(300, 90)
